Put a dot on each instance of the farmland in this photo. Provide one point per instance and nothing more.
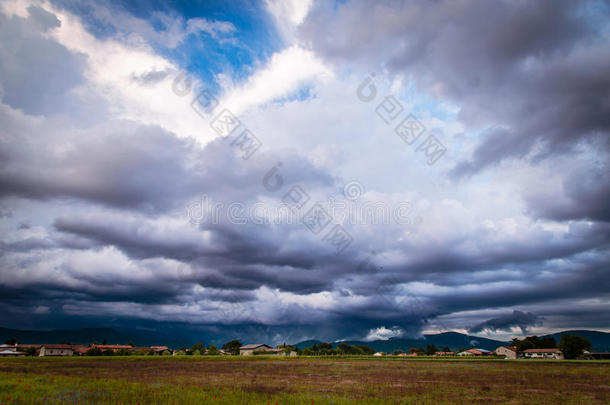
(264, 380)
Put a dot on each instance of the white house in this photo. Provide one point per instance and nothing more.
(554, 354)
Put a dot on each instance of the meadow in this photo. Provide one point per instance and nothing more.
(265, 380)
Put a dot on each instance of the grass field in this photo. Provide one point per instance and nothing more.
(257, 380)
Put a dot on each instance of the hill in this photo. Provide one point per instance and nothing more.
(599, 340)
(455, 341)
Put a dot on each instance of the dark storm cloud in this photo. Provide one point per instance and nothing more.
(585, 195)
(523, 320)
(535, 70)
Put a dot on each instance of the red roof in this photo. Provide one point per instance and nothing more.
(112, 347)
(57, 347)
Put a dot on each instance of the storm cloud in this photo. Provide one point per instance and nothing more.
(120, 204)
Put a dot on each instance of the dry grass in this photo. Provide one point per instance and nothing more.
(265, 380)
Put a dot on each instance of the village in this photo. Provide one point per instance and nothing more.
(234, 348)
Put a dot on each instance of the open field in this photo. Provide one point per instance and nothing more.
(258, 380)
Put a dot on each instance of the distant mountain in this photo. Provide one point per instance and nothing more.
(89, 335)
(306, 343)
(82, 336)
(599, 340)
(455, 341)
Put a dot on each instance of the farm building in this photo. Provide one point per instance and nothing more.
(475, 352)
(555, 354)
(248, 350)
(56, 350)
(260, 348)
(508, 352)
(11, 353)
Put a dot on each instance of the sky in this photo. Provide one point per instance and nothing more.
(278, 171)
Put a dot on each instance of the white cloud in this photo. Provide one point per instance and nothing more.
(383, 333)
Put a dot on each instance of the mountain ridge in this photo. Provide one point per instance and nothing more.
(454, 340)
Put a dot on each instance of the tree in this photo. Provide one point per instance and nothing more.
(30, 351)
(131, 344)
(325, 346)
(397, 352)
(123, 352)
(446, 349)
(573, 346)
(213, 350)
(11, 341)
(198, 346)
(431, 349)
(368, 350)
(534, 342)
(232, 347)
(94, 351)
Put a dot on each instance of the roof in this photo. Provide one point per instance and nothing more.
(253, 346)
(11, 352)
(159, 347)
(112, 347)
(541, 351)
(57, 347)
(512, 348)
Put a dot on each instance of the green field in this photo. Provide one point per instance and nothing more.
(264, 380)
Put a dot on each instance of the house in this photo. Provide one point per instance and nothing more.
(555, 354)
(160, 349)
(114, 348)
(248, 350)
(508, 352)
(260, 348)
(444, 354)
(56, 350)
(599, 355)
(11, 353)
(475, 352)
(80, 350)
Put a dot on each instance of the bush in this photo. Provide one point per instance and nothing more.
(94, 351)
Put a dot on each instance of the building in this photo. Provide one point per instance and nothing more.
(508, 352)
(160, 349)
(248, 350)
(114, 348)
(599, 355)
(444, 353)
(260, 348)
(79, 350)
(11, 353)
(475, 352)
(56, 350)
(554, 354)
